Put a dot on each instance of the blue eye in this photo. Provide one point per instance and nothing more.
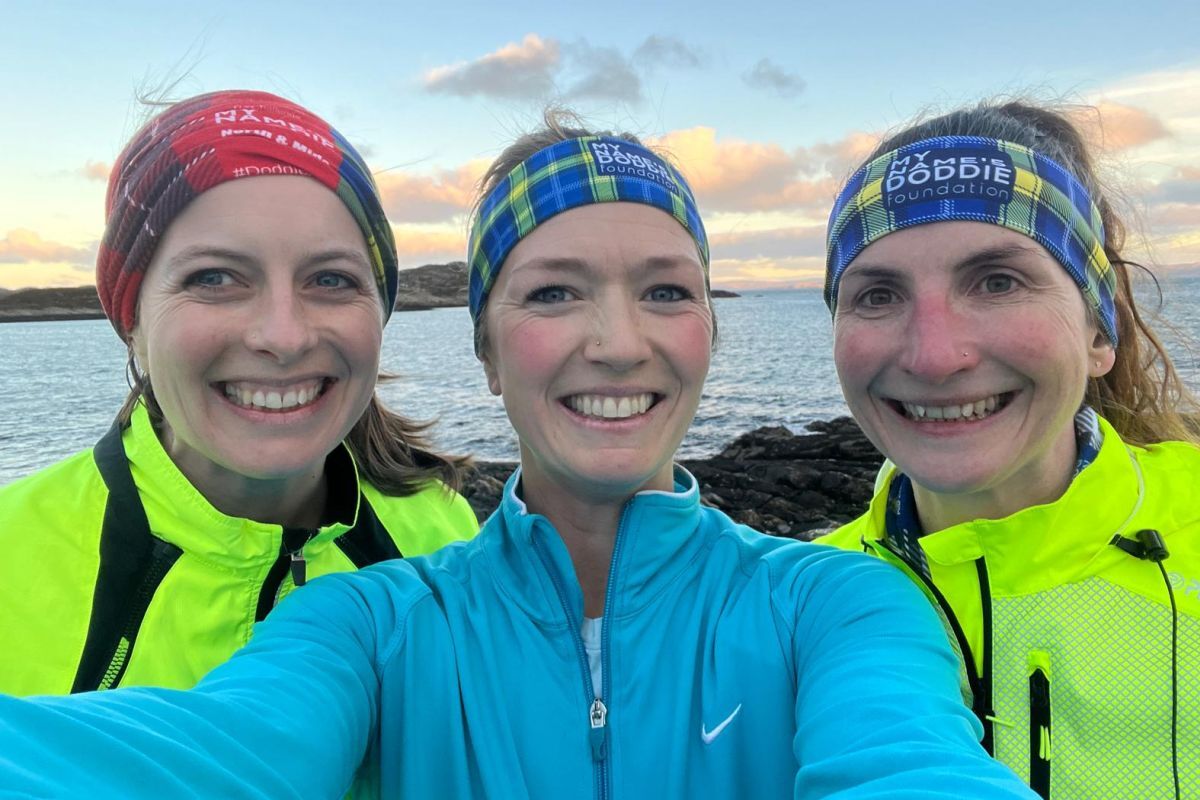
(668, 294)
(334, 280)
(209, 278)
(999, 283)
(549, 294)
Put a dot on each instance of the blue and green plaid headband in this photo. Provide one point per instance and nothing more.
(566, 175)
(982, 180)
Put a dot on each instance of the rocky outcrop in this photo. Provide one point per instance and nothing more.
(771, 479)
(432, 286)
(41, 305)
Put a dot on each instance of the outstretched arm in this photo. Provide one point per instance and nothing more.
(878, 708)
(289, 716)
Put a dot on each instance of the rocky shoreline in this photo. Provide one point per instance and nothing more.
(774, 480)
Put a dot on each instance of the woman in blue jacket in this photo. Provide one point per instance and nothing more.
(605, 635)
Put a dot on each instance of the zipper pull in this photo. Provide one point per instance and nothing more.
(297, 567)
(599, 719)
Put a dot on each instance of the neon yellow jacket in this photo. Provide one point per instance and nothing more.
(96, 593)
(1066, 639)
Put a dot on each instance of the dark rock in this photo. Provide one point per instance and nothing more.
(432, 286)
(771, 479)
(724, 293)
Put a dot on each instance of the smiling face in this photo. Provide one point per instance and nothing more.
(598, 338)
(963, 350)
(259, 325)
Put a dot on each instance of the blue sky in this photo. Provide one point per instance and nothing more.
(764, 104)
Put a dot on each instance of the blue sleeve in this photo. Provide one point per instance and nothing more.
(878, 708)
(289, 716)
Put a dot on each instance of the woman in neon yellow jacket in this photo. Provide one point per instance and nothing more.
(1043, 486)
(248, 265)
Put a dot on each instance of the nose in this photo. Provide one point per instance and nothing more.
(618, 337)
(939, 340)
(280, 327)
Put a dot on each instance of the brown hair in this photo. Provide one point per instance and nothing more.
(390, 450)
(1142, 395)
(558, 125)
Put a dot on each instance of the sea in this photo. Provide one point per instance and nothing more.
(61, 383)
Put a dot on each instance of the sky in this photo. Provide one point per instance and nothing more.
(764, 104)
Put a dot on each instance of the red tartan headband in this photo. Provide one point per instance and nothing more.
(204, 141)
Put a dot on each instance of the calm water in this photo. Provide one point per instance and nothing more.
(62, 382)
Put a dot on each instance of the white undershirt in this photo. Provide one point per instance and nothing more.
(591, 630)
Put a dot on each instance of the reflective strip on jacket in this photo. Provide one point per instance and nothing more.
(89, 600)
(1067, 639)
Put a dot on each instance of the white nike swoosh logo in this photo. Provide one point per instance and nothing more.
(708, 737)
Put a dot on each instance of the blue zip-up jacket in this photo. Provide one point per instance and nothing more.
(735, 665)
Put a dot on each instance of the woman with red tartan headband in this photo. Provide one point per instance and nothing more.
(1043, 478)
(249, 267)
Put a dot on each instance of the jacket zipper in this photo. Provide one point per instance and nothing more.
(981, 694)
(290, 562)
(164, 557)
(1039, 723)
(597, 710)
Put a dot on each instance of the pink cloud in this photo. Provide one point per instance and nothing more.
(1114, 126)
(417, 247)
(95, 171)
(516, 70)
(735, 175)
(21, 245)
(446, 194)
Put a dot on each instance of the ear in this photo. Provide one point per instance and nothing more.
(137, 344)
(1101, 355)
(489, 370)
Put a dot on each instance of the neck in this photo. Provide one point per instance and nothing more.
(295, 501)
(588, 528)
(1043, 481)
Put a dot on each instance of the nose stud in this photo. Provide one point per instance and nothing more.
(597, 343)
(965, 353)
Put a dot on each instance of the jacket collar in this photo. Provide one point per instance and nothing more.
(656, 540)
(178, 513)
(1045, 544)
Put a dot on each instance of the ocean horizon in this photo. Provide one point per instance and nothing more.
(62, 382)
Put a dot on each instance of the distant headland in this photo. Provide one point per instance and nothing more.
(421, 288)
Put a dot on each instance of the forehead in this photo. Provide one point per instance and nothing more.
(606, 233)
(238, 208)
(923, 249)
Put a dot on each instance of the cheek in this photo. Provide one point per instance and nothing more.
(856, 352)
(534, 348)
(690, 344)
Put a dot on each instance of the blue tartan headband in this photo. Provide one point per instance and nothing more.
(566, 175)
(978, 179)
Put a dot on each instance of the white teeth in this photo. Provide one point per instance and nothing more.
(591, 405)
(975, 410)
(271, 399)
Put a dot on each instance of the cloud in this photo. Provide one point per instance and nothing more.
(776, 243)
(769, 272)
(666, 51)
(537, 68)
(736, 175)
(771, 77)
(1114, 126)
(417, 245)
(95, 171)
(606, 75)
(1183, 186)
(21, 245)
(444, 195)
(523, 70)
(28, 276)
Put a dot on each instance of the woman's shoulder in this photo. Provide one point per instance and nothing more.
(67, 487)
(425, 520)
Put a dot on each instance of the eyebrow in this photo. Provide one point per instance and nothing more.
(570, 264)
(984, 256)
(201, 252)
